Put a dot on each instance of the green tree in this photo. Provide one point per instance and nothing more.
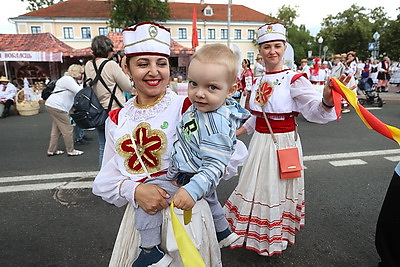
(390, 38)
(125, 13)
(298, 36)
(38, 4)
(353, 28)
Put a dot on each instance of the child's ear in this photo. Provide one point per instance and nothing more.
(232, 91)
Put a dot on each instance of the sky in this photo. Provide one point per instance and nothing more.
(311, 12)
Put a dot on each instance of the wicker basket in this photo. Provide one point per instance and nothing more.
(26, 108)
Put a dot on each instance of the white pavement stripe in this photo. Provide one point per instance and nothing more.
(372, 108)
(352, 155)
(45, 186)
(348, 162)
(394, 158)
(53, 176)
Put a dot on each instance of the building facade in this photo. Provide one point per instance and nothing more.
(75, 22)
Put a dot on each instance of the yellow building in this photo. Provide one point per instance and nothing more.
(75, 22)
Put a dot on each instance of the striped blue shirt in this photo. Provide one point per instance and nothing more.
(205, 143)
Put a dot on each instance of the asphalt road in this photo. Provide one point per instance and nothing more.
(68, 226)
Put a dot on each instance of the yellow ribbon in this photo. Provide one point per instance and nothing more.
(189, 254)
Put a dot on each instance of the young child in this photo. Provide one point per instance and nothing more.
(206, 139)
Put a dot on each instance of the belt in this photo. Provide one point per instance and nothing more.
(156, 174)
(183, 178)
(278, 126)
(314, 82)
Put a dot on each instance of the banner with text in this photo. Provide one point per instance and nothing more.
(31, 56)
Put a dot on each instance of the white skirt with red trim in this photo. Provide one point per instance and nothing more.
(264, 210)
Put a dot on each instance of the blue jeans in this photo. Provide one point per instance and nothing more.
(79, 133)
(101, 134)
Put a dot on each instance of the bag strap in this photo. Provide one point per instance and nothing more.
(113, 97)
(98, 72)
(272, 133)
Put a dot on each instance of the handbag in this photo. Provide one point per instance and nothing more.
(289, 163)
(288, 158)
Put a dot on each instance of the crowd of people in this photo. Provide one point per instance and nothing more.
(158, 147)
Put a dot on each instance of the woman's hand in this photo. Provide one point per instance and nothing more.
(151, 198)
(182, 200)
(327, 94)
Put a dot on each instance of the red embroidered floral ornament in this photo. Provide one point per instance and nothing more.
(263, 93)
(150, 145)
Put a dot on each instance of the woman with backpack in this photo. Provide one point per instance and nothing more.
(58, 104)
(113, 78)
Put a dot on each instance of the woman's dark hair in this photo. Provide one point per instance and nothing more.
(247, 62)
(101, 46)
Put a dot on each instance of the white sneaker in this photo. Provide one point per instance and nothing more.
(228, 240)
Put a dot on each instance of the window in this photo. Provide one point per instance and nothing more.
(103, 31)
(68, 33)
(211, 34)
(251, 34)
(238, 34)
(224, 33)
(117, 29)
(35, 29)
(182, 33)
(208, 11)
(250, 57)
(198, 33)
(86, 33)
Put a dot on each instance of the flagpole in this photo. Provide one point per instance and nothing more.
(229, 23)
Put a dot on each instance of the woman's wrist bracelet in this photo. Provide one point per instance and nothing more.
(326, 105)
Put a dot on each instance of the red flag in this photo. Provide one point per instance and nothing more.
(195, 38)
(372, 122)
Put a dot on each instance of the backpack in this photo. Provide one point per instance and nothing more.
(48, 90)
(87, 110)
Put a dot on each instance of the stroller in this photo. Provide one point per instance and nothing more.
(368, 88)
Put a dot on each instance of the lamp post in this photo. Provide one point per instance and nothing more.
(320, 40)
(309, 52)
(376, 38)
(229, 22)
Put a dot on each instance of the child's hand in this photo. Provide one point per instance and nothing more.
(182, 200)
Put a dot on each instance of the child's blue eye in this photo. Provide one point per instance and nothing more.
(192, 83)
(212, 87)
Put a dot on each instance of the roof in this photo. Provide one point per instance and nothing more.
(179, 11)
(74, 9)
(45, 42)
(40, 42)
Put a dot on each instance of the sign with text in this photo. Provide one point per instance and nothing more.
(33, 56)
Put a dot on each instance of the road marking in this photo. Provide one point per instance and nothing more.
(54, 176)
(372, 108)
(337, 159)
(45, 186)
(394, 158)
(348, 162)
(351, 155)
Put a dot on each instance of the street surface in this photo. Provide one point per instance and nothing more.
(50, 218)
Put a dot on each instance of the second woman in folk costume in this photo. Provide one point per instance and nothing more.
(265, 210)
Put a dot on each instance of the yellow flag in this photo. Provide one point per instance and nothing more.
(189, 254)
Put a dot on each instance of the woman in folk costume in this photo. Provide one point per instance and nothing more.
(265, 210)
(146, 126)
(318, 76)
(246, 81)
(383, 75)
